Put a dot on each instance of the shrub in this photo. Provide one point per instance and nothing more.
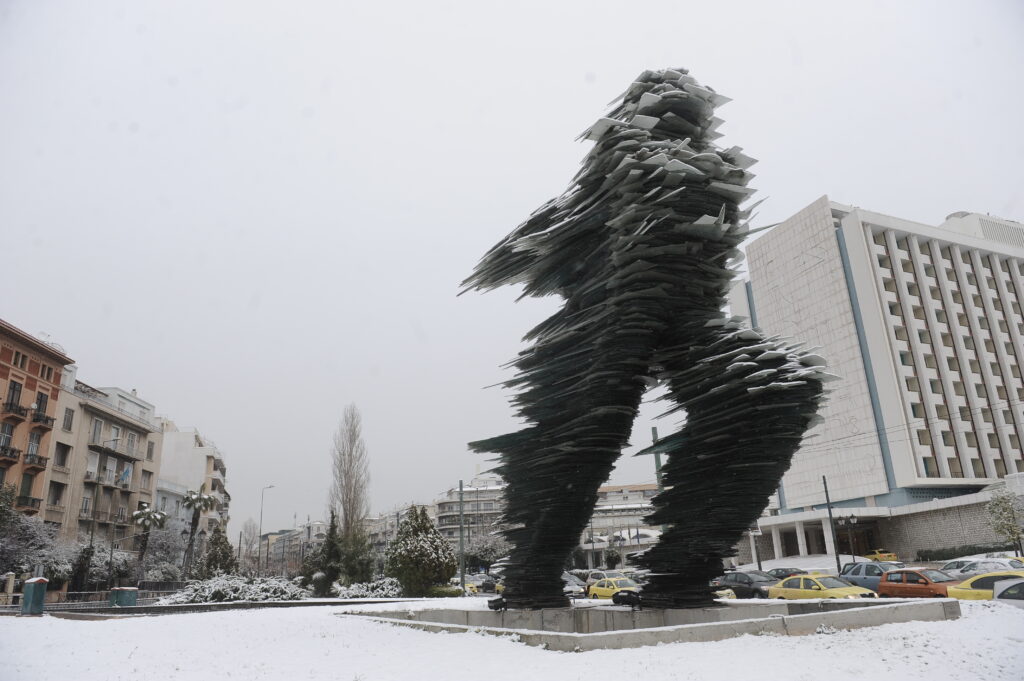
(964, 550)
(388, 587)
(226, 588)
(419, 557)
(444, 592)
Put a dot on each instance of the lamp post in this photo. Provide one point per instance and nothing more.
(259, 546)
(848, 522)
(189, 558)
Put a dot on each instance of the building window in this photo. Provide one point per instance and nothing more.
(6, 434)
(56, 495)
(149, 451)
(905, 359)
(61, 453)
(132, 439)
(97, 431)
(979, 468)
(929, 361)
(931, 469)
(34, 439)
(1000, 468)
(14, 393)
(993, 440)
(69, 418)
(924, 437)
(147, 480)
(955, 469)
(947, 438)
(972, 440)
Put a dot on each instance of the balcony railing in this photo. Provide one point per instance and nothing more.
(28, 502)
(34, 461)
(40, 418)
(85, 513)
(116, 446)
(107, 478)
(16, 410)
(57, 508)
(9, 455)
(91, 476)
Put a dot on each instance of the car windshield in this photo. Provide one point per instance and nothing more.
(1016, 564)
(623, 583)
(611, 574)
(937, 576)
(572, 579)
(833, 583)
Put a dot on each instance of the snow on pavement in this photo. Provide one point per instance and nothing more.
(314, 643)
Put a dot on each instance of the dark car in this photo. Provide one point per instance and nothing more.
(746, 584)
(782, 573)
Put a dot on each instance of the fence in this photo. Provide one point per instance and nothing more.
(75, 600)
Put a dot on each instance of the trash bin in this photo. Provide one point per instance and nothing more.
(33, 596)
(124, 596)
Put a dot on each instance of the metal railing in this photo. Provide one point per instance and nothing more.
(117, 446)
(28, 502)
(16, 409)
(41, 417)
(35, 460)
(9, 454)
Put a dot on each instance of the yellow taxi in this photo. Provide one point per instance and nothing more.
(606, 588)
(979, 587)
(881, 555)
(817, 586)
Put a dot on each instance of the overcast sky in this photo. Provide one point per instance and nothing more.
(255, 213)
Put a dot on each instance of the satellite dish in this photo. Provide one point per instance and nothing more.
(34, 406)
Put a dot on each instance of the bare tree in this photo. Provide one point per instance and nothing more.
(250, 540)
(349, 490)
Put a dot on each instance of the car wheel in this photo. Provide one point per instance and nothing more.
(594, 597)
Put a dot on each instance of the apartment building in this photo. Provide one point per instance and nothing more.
(482, 504)
(191, 460)
(106, 457)
(290, 547)
(922, 325)
(31, 371)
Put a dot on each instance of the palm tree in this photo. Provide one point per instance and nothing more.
(147, 519)
(198, 502)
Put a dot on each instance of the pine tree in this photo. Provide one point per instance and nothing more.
(324, 567)
(219, 558)
(419, 557)
(1005, 515)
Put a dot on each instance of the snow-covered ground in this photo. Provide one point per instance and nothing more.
(312, 643)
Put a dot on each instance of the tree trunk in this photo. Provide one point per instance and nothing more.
(143, 545)
(187, 567)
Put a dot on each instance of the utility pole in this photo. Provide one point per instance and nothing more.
(831, 523)
(462, 546)
(657, 459)
(239, 549)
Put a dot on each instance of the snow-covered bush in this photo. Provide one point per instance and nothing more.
(388, 587)
(419, 557)
(226, 588)
(163, 572)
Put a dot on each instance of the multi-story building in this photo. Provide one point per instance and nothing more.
(106, 456)
(30, 376)
(191, 461)
(922, 325)
(290, 547)
(482, 504)
(169, 498)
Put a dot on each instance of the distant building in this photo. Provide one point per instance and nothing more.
(290, 547)
(191, 460)
(482, 504)
(30, 376)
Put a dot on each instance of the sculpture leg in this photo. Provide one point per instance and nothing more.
(748, 402)
(584, 385)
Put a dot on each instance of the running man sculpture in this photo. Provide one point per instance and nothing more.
(639, 247)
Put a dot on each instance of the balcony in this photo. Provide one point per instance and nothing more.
(101, 517)
(14, 411)
(28, 504)
(35, 461)
(116, 447)
(85, 513)
(41, 420)
(120, 518)
(92, 476)
(107, 478)
(9, 455)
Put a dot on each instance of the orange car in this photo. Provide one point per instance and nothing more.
(922, 583)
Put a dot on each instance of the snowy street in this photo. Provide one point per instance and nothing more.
(313, 643)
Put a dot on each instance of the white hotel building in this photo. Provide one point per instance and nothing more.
(923, 326)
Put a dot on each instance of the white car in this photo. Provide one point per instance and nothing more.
(1009, 591)
(979, 567)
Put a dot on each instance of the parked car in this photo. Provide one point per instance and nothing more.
(868, 575)
(782, 573)
(915, 584)
(574, 587)
(882, 554)
(746, 584)
(1009, 591)
(480, 583)
(595, 576)
(606, 588)
(818, 586)
(980, 567)
(979, 587)
(953, 565)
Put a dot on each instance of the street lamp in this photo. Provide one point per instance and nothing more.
(259, 545)
(848, 522)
